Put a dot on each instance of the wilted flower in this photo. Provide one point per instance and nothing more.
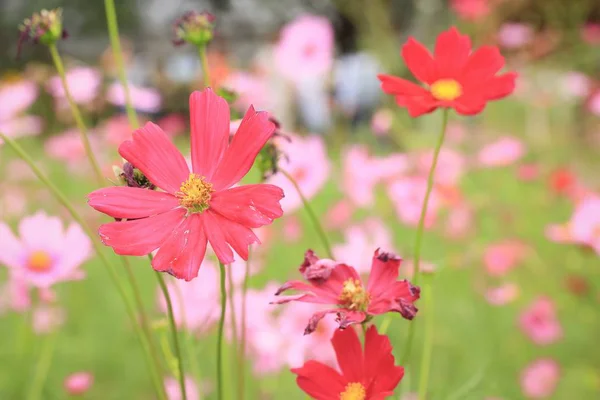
(44, 27)
(194, 27)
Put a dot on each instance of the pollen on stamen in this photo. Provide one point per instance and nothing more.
(195, 193)
(446, 89)
(354, 391)
(354, 296)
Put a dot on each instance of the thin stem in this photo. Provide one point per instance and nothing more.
(205, 69)
(76, 113)
(181, 373)
(43, 366)
(311, 214)
(242, 348)
(421, 225)
(427, 339)
(220, 333)
(115, 43)
(234, 330)
(97, 247)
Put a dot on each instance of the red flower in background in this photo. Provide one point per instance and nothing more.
(340, 285)
(197, 206)
(456, 77)
(365, 375)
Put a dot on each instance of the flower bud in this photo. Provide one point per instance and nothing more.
(195, 28)
(44, 27)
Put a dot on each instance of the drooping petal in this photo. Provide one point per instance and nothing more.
(254, 131)
(419, 61)
(381, 372)
(11, 249)
(482, 64)
(316, 318)
(349, 354)
(311, 293)
(319, 381)
(139, 237)
(156, 156)
(249, 205)
(346, 318)
(500, 86)
(384, 271)
(182, 253)
(209, 119)
(130, 202)
(451, 53)
(216, 237)
(238, 236)
(399, 296)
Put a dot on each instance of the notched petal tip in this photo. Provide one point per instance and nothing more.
(384, 256)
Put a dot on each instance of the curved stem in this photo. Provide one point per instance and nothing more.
(427, 339)
(421, 225)
(311, 214)
(76, 113)
(42, 366)
(204, 61)
(220, 333)
(242, 348)
(181, 373)
(115, 43)
(130, 309)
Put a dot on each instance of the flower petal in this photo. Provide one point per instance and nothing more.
(216, 237)
(384, 271)
(209, 119)
(156, 156)
(129, 202)
(319, 381)
(400, 87)
(182, 253)
(398, 297)
(349, 354)
(11, 249)
(419, 61)
(141, 236)
(470, 103)
(249, 205)
(254, 131)
(451, 53)
(500, 86)
(238, 236)
(379, 363)
(312, 294)
(483, 64)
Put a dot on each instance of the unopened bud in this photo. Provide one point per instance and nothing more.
(45, 27)
(195, 28)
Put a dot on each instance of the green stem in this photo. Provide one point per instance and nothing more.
(205, 69)
(43, 366)
(311, 214)
(76, 113)
(115, 43)
(181, 373)
(242, 348)
(421, 225)
(97, 246)
(427, 339)
(220, 333)
(234, 331)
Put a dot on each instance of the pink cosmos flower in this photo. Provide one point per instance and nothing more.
(196, 305)
(333, 283)
(84, 84)
(407, 195)
(116, 130)
(450, 168)
(381, 123)
(16, 97)
(78, 383)
(460, 221)
(197, 206)
(173, 124)
(575, 85)
(471, 10)
(502, 294)
(69, 148)
(339, 214)
(502, 152)
(514, 35)
(47, 319)
(305, 159)
(14, 294)
(539, 322)
(44, 254)
(585, 223)
(305, 48)
(359, 243)
(146, 100)
(539, 379)
(27, 125)
(292, 229)
(499, 258)
(250, 89)
(174, 392)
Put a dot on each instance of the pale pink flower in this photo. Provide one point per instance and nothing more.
(305, 48)
(250, 89)
(502, 152)
(292, 229)
(44, 254)
(144, 99)
(14, 293)
(78, 383)
(116, 130)
(360, 240)
(594, 103)
(83, 82)
(502, 295)
(47, 319)
(576, 85)
(381, 123)
(307, 162)
(559, 233)
(18, 170)
(339, 215)
(196, 304)
(499, 258)
(513, 35)
(539, 322)
(234, 126)
(450, 167)
(540, 378)
(16, 98)
(407, 195)
(26, 125)
(173, 124)
(174, 391)
(528, 172)
(585, 223)
(68, 147)
(471, 10)
(460, 221)
(237, 268)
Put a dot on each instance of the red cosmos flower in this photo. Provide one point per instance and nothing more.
(366, 375)
(455, 76)
(197, 206)
(339, 284)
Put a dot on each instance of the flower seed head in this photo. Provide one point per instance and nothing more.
(45, 27)
(194, 27)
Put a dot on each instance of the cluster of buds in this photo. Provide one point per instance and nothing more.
(132, 177)
(44, 27)
(194, 27)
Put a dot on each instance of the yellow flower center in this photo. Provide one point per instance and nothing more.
(194, 194)
(39, 261)
(354, 296)
(446, 89)
(354, 391)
